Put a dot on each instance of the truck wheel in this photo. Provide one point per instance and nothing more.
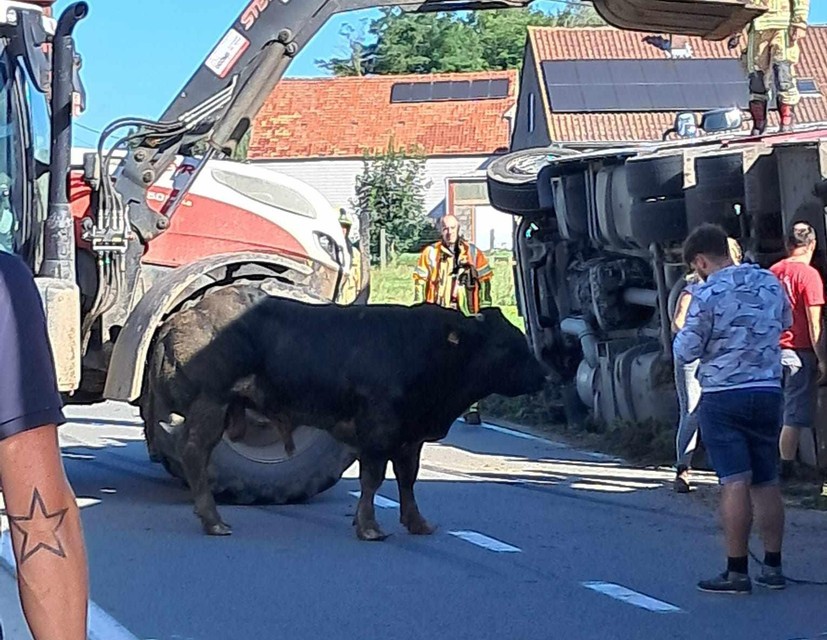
(512, 179)
(660, 177)
(256, 468)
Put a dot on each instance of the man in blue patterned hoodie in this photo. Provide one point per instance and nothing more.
(733, 326)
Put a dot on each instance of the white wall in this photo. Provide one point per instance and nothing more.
(336, 178)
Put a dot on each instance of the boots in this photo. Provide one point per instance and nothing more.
(785, 114)
(758, 109)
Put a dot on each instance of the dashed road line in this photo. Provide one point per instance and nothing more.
(486, 542)
(380, 501)
(619, 592)
(101, 626)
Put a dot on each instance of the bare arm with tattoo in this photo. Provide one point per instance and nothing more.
(47, 537)
(40, 506)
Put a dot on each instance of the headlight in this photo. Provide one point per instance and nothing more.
(327, 244)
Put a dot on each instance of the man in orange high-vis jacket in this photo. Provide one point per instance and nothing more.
(453, 273)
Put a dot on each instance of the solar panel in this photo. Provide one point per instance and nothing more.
(644, 85)
(441, 90)
(498, 89)
(449, 90)
(421, 91)
(401, 92)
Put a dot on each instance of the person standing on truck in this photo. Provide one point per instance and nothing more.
(733, 327)
(802, 348)
(686, 382)
(43, 516)
(771, 56)
(454, 273)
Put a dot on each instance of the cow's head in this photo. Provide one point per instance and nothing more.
(505, 358)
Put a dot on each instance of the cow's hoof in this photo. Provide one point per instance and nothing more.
(371, 534)
(218, 529)
(419, 527)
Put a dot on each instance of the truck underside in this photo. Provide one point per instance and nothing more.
(599, 259)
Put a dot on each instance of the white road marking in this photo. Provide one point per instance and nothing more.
(492, 544)
(521, 434)
(631, 597)
(560, 445)
(101, 626)
(380, 501)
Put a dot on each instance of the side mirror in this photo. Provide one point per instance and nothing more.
(722, 120)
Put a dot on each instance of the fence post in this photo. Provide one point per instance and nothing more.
(383, 248)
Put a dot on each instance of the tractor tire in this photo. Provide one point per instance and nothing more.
(512, 180)
(256, 469)
(660, 177)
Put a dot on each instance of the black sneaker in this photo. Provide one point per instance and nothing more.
(771, 578)
(682, 480)
(473, 418)
(727, 582)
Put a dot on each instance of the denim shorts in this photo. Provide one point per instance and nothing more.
(800, 386)
(740, 430)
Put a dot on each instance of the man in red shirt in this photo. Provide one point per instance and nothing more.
(802, 350)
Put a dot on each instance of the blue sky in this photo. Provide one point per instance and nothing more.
(138, 53)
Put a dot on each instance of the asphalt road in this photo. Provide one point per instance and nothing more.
(535, 541)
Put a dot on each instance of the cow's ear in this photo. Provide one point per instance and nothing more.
(453, 337)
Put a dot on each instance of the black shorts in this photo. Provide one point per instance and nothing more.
(800, 386)
(28, 386)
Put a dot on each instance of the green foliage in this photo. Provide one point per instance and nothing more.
(425, 43)
(240, 152)
(390, 192)
(399, 43)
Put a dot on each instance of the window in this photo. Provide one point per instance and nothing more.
(14, 228)
(469, 192)
(531, 112)
(807, 88)
(269, 193)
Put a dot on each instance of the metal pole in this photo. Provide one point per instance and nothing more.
(59, 242)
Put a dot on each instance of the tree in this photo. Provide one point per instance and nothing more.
(398, 42)
(356, 57)
(425, 43)
(390, 193)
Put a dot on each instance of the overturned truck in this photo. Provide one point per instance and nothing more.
(599, 265)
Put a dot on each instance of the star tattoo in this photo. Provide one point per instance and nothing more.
(39, 529)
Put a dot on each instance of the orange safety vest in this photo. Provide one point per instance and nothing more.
(435, 269)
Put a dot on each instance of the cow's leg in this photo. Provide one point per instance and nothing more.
(371, 475)
(204, 428)
(406, 469)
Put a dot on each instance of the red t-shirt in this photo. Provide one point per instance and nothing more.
(805, 288)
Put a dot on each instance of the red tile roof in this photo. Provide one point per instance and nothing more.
(344, 117)
(606, 43)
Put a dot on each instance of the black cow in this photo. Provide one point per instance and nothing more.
(383, 379)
